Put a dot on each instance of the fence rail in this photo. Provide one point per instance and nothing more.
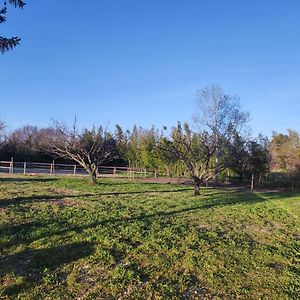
(53, 168)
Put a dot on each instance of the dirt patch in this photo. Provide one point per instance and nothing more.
(65, 192)
(204, 228)
(65, 202)
(222, 185)
(61, 202)
(166, 180)
(275, 225)
(269, 228)
(297, 236)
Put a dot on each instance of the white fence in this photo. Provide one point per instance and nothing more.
(33, 168)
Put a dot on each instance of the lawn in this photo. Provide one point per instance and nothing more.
(63, 238)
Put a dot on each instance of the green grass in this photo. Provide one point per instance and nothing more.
(62, 238)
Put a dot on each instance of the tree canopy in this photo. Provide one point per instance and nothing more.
(89, 148)
(219, 115)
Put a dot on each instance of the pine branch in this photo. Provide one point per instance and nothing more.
(8, 44)
(3, 12)
(17, 3)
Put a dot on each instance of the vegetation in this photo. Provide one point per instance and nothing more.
(89, 148)
(144, 148)
(285, 151)
(194, 150)
(65, 238)
(218, 117)
(62, 238)
(9, 43)
(217, 147)
(285, 159)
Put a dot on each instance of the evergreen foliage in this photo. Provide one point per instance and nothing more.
(9, 43)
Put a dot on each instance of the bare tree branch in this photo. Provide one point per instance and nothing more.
(89, 148)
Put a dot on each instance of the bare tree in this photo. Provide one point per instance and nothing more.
(2, 125)
(195, 150)
(220, 115)
(89, 148)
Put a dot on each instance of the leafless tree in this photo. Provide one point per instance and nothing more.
(89, 148)
(220, 115)
(2, 125)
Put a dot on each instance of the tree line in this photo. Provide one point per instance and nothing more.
(216, 142)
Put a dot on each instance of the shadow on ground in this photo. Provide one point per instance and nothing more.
(47, 197)
(22, 233)
(32, 264)
(28, 179)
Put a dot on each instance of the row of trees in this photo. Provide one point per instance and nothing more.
(215, 142)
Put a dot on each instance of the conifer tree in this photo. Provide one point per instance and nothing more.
(9, 43)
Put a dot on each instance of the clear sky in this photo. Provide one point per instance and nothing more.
(141, 62)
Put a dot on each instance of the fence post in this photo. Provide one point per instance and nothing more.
(74, 172)
(115, 171)
(53, 168)
(155, 175)
(24, 170)
(11, 169)
(252, 182)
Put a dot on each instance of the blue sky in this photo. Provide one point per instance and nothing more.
(141, 62)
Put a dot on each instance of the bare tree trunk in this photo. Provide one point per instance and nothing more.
(94, 176)
(92, 170)
(217, 165)
(197, 183)
(216, 174)
(252, 181)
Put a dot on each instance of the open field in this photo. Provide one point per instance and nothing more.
(62, 238)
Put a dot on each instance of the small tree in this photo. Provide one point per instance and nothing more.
(250, 157)
(195, 150)
(89, 148)
(9, 43)
(259, 157)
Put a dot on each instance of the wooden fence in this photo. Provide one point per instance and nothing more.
(33, 168)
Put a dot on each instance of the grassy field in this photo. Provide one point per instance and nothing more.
(62, 238)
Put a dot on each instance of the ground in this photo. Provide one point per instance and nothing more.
(63, 238)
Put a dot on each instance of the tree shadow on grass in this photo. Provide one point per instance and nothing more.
(27, 179)
(220, 200)
(248, 198)
(27, 199)
(48, 198)
(280, 195)
(31, 264)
